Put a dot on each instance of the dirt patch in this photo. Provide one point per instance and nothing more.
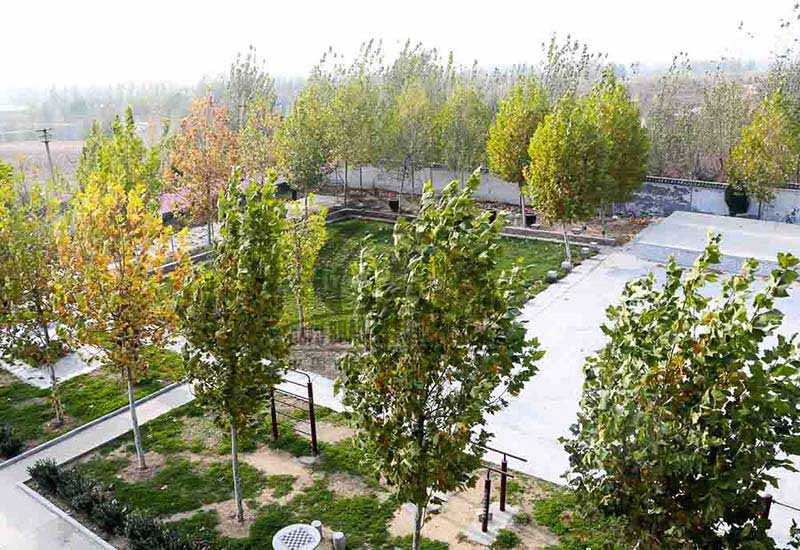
(333, 433)
(131, 473)
(228, 525)
(347, 485)
(273, 462)
(457, 515)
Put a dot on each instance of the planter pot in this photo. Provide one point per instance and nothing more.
(394, 204)
(492, 215)
(737, 200)
(283, 188)
(530, 219)
(294, 194)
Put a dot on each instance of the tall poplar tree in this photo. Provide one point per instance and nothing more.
(519, 113)
(438, 347)
(230, 314)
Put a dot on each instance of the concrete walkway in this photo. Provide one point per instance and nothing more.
(24, 522)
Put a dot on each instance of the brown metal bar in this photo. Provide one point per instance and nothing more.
(312, 418)
(273, 415)
(503, 476)
(487, 493)
(766, 503)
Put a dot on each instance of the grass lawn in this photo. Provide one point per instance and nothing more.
(333, 292)
(28, 410)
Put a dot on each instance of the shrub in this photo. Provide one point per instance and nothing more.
(506, 538)
(146, 533)
(109, 515)
(522, 518)
(79, 491)
(46, 474)
(687, 408)
(10, 444)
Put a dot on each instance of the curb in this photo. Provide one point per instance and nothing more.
(88, 533)
(90, 424)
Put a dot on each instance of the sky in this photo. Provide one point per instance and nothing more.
(89, 42)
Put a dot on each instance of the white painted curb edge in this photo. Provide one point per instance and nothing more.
(79, 429)
(88, 533)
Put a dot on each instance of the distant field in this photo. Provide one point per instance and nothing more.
(31, 156)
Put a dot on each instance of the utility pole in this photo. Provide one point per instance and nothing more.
(46, 141)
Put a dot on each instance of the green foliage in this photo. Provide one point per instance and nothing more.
(437, 336)
(505, 539)
(768, 153)
(625, 143)
(403, 543)
(518, 116)
(463, 126)
(567, 163)
(687, 408)
(301, 242)
(578, 529)
(199, 527)
(281, 485)
(10, 444)
(46, 474)
(247, 83)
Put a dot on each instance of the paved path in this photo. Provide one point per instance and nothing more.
(24, 522)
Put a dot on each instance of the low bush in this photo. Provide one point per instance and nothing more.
(109, 514)
(146, 533)
(505, 539)
(10, 444)
(46, 474)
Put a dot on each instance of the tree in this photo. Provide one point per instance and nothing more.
(672, 125)
(463, 128)
(686, 408)
(768, 153)
(122, 154)
(203, 154)
(625, 143)
(411, 127)
(519, 113)
(567, 155)
(28, 266)
(247, 82)
(256, 140)
(301, 242)
(723, 114)
(304, 148)
(355, 104)
(230, 314)
(438, 346)
(112, 294)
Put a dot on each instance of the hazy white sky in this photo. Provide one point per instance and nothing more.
(68, 42)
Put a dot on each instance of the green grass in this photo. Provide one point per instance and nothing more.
(576, 528)
(332, 306)
(28, 411)
(281, 484)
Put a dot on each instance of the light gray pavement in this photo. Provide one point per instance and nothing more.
(24, 522)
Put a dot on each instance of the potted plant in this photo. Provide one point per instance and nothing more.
(394, 202)
(736, 198)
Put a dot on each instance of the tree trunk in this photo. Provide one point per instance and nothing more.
(137, 434)
(361, 179)
(209, 229)
(522, 206)
(301, 329)
(566, 242)
(760, 205)
(59, 411)
(345, 183)
(417, 540)
(603, 217)
(237, 491)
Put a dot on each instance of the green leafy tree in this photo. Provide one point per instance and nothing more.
(768, 153)
(303, 148)
(256, 140)
(112, 294)
(625, 142)
(120, 154)
(354, 114)
(686, 409)
(230, 314)
(519, 113)
(439, 346)
(29, 264)
(463, 128)
(303, 239)
(567, 164)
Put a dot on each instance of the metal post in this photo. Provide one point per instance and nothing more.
(312, 419)
(273, 414)
(487, 493)
(503, 469)
(766, 506)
